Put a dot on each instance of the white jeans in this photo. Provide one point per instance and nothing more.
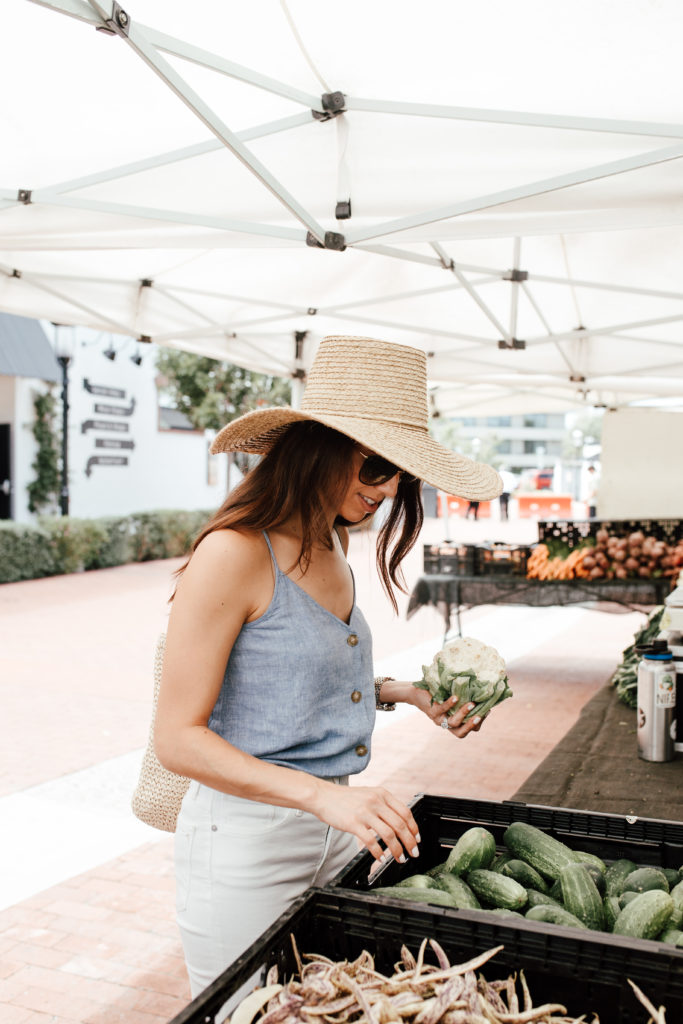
(239, 865)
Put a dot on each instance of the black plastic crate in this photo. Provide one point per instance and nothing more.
(563, 965)
(500, 559)
(442, 820)
(449, 559)
(573, 532)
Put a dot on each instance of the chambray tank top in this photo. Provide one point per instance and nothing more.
(298, 689)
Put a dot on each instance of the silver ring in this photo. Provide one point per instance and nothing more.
(444, 724)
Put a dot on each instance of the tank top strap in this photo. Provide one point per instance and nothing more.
(272, 553)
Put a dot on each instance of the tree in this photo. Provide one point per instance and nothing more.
(212, 393)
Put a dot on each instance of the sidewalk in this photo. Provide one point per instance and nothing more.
(87, 930)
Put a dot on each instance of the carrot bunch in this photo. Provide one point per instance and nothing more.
(541, 566)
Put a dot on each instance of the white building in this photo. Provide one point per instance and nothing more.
(523, 442)
(126, 453)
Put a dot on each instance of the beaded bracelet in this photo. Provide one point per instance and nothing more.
(379, 703)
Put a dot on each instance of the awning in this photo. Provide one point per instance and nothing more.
(25, 350)
(498, 184)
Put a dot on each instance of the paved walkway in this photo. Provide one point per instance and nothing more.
(87, 931)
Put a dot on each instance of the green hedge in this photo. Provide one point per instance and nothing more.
(62, 544)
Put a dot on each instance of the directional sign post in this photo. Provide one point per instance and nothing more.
(113, 442)
(121, 428)
(115, 410)
(100, 389)
(105, 460)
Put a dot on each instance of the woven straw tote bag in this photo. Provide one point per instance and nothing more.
(159, 792)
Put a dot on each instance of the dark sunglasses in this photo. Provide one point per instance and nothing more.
(378, 470)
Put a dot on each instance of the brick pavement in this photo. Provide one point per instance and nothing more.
(101, 946)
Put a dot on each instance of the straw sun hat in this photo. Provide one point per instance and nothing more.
(375, 392)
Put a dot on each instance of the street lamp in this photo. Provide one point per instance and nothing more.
(64, 348)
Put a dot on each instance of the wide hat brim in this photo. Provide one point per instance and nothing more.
(410, 447)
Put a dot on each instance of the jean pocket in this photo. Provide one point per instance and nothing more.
(183, 863)
(237, 816)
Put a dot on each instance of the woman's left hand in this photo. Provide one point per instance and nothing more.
(447, 715)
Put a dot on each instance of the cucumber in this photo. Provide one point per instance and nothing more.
(544, 853)
(677, 896)
(524, 874)
(536, 898)
(626, 898)
(612, 909)
(644, 879)
(556, 891)
(418, 882)
(591, 858)
(475, 848)
(597, 876)
(415, 895)
(503, 912)
(672, 876)
(581, 897)
(645, 916)
(496, 890)
(616, 875)
(549, 914)
(459, 890)
(672, 937)
(436, 870)
(501, 860)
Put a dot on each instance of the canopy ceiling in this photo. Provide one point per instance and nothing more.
(179, 172)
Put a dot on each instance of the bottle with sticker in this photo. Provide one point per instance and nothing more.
(656, 702)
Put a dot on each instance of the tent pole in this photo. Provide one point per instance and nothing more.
(299, 374)
(511, 195)
(138, 38)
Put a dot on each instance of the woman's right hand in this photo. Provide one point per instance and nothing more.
(369, 812)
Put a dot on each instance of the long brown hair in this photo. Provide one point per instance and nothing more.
(308, 468)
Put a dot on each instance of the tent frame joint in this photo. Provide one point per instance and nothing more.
(119, 22)
(517, 343)
(332, 240)
(333, 104)
(516, 276)
(24, 196)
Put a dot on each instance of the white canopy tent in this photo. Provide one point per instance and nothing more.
(512, 174)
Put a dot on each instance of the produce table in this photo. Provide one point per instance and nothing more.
(596, 767)
(451, 593)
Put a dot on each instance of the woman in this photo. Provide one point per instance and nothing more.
(267, 698)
